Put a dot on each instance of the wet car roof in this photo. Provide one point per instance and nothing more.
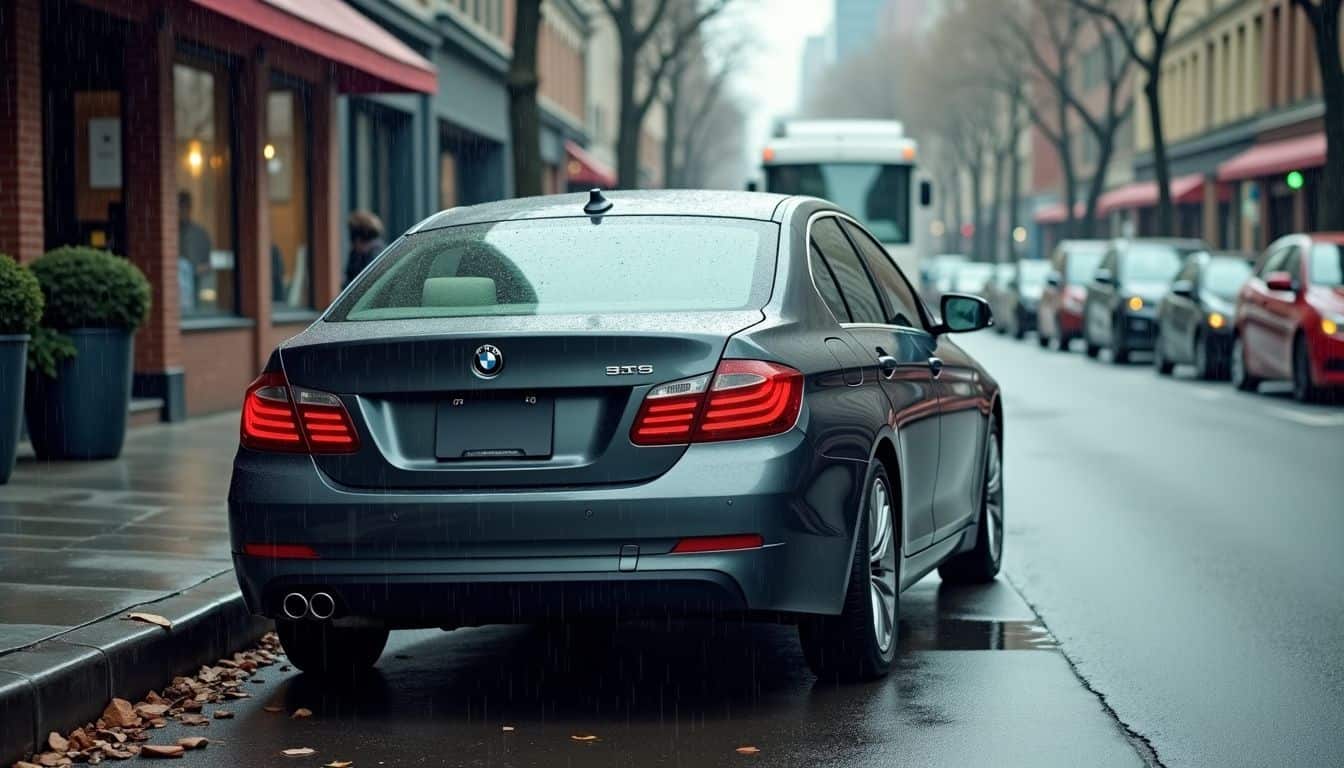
(742, 205)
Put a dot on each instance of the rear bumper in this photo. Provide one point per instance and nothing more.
(1070, 323)
(1139, 331)
(430, 559)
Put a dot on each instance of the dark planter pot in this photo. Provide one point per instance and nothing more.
(81, 414)
(13, 364)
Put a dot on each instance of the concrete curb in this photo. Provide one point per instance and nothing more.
(62, 683)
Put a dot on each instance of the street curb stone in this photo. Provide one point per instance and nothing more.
(62, 683)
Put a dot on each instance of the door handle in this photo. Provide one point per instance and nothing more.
(936, 366)
(888, 365)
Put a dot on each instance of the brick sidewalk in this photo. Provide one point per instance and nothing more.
(81, 541)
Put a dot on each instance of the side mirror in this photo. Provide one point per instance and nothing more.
(1183, 288)
(963, 312)
(1052, 279)
(1104, 277)
(925, 193)
(1280, 281)
(752, 186)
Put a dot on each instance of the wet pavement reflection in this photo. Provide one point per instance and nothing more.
(978, 681)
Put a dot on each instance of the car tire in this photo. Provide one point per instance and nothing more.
(981, 564)
(1119, 352)
(1091, 349)
(321, 649)
(1206, 367)
(1303, 389)
(1161, 364)
(1019, 327)
(1242, 378)
(849, 647)
(1042, 340)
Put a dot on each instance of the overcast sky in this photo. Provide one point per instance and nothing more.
(769, 80)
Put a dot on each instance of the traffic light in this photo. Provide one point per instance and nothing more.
(1294, 180)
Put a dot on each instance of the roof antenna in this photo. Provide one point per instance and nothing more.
(597, 204)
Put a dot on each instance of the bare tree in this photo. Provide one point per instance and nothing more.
(697, 84)
(524, 114)
(1156, 26)
(1325, 18)
(649, 40)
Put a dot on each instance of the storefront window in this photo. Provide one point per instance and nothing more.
(207, 263)
(286, 155)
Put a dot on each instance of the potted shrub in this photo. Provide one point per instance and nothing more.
(79, 380)
(20, 309)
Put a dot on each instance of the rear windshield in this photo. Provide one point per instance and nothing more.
(569, 266)
(1152, 262)
(1223, 276)
(1032, 272)
(1083, 264)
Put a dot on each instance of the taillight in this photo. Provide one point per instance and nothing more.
(277, 417)
(742, 399)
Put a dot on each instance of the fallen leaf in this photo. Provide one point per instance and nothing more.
(116, 736)
(301, 712)
(223, 714)
(117, 753)
(52, 759)
(80, 740)
(162, 750)
(298, 752)
(584, 737)
(120, 713)
(746, 750)
(339, 764)
(274, 709)
(192, 742)
(188, 718)
(57, 742)
(507, 729)
(151, 710)
(24, 764)
(150, 618)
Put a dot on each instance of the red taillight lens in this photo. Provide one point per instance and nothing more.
(718, 543)
(277, 417)
(269, 421)
(742, 399)
(280, 551)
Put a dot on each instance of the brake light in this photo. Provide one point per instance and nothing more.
(742, 399)
(280, 551)
(278, 417)
(718, 543)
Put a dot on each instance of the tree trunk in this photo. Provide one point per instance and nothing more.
(1065, 148)
(1330, 200)
(1014, 183)
(524, 114)
(995, 237)
(671, 167)
(977, 189)
(958, 214)
(629, 130)
(1166, 224)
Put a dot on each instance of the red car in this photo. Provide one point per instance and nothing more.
(1059, 316)
(1290, 317)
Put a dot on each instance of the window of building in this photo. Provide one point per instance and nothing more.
(287, 162)
(206, 259)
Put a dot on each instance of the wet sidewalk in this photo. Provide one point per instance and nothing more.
(81, 541)
(84, 543)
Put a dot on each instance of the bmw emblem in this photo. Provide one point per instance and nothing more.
(487, 361)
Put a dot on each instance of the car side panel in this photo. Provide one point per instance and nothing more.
(965, 405)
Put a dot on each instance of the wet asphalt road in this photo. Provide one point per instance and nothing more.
(1183, 541)
(980, 682)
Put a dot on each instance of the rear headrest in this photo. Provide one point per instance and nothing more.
(458, 292)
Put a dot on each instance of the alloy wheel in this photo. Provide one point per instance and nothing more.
(994, 499)
(882, 563)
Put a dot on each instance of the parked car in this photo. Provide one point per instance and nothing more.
(1120, 307)
(506, 418)
(1290, 317)
(1016, 307)
(973, 277)
(1194, 318)
(1059, 316)
(937, 276)
(998, 290)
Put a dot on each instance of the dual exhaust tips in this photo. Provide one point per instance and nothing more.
(320, 606)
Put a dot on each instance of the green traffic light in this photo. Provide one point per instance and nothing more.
(1295, 180)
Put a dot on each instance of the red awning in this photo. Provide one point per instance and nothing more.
(1143, 194)
(335, 31)
(1275, 157)
(586, 170)
(1056, 213)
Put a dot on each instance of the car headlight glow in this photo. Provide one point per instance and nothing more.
(1216, 320)
(1135, 303)
(1330, 324)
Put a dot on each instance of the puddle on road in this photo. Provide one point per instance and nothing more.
(975, 635)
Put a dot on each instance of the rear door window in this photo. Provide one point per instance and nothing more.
(900, 296)
(570, 266)
(824, 279)
(850, 275)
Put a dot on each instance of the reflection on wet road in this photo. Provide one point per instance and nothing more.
(979, 681)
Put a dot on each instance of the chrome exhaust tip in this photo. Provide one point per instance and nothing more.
(294, 605)
(321, 606)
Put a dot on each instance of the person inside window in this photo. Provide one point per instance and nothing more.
(193, 252)
(366, 242)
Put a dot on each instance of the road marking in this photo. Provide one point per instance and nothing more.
(1308, 419)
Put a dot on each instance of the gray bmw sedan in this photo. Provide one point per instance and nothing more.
(637, 404)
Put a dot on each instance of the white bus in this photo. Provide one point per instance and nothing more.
(868, 168)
